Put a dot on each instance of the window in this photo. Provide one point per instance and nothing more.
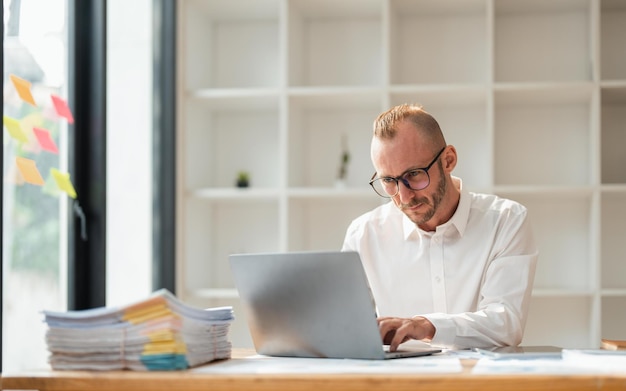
(35, 225)
(129, 150)
(46, 265)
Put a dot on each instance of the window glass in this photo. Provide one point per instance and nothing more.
(34, 258)
(129, 151)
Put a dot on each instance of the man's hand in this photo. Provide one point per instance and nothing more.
(395, 331)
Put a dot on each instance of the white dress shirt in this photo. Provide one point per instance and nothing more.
(472, 277)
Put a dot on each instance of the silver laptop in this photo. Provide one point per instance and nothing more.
(311, 304)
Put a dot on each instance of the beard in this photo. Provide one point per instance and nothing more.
(433, 202)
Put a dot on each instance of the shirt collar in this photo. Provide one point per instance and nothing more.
(458, 220)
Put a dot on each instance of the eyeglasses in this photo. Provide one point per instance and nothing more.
(413, 179)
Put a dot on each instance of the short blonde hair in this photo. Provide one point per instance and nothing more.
(385, 123)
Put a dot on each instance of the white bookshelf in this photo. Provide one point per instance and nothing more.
(531, 93)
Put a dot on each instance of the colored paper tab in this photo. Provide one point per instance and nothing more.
(28, 170)
(62, 108)
(63, 181)
(45, 140)
(13, 175)
(23, 89)
(15, 129)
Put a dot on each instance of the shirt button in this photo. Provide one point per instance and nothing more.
(437, 279)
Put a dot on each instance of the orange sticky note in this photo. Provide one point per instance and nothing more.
(15, 129)
(45, 140)
(62, 108)
(23, 89)
(13, 175)
(63, 181)
(28, 170)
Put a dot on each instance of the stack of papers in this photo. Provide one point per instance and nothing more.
(158, 333)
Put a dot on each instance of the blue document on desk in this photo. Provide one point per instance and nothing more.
(520, 352)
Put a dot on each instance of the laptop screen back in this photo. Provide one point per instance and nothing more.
(308, 304)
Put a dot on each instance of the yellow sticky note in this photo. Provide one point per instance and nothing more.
(64, 182)
(15, 129)
(23, 89)
(28, 170)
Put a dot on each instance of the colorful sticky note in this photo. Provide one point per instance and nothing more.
(45, 140)
(13, 175)
(28, 170)
(63, 181)
(62, 108)
(15, 129)
(23, 89)
(50, 187)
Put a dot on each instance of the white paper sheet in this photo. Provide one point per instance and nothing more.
(290, 365)
(573, 362)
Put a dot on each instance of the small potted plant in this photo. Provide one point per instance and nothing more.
(343, 164)
(243, 179)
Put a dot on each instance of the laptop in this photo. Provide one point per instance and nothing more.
(311, 304)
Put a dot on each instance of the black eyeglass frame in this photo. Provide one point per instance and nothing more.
(403, 180)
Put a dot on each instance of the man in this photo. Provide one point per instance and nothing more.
(445, 265)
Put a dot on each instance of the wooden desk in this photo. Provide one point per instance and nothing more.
(47, 380)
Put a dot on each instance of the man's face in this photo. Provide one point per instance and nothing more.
(408, 151)
(423, 204)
